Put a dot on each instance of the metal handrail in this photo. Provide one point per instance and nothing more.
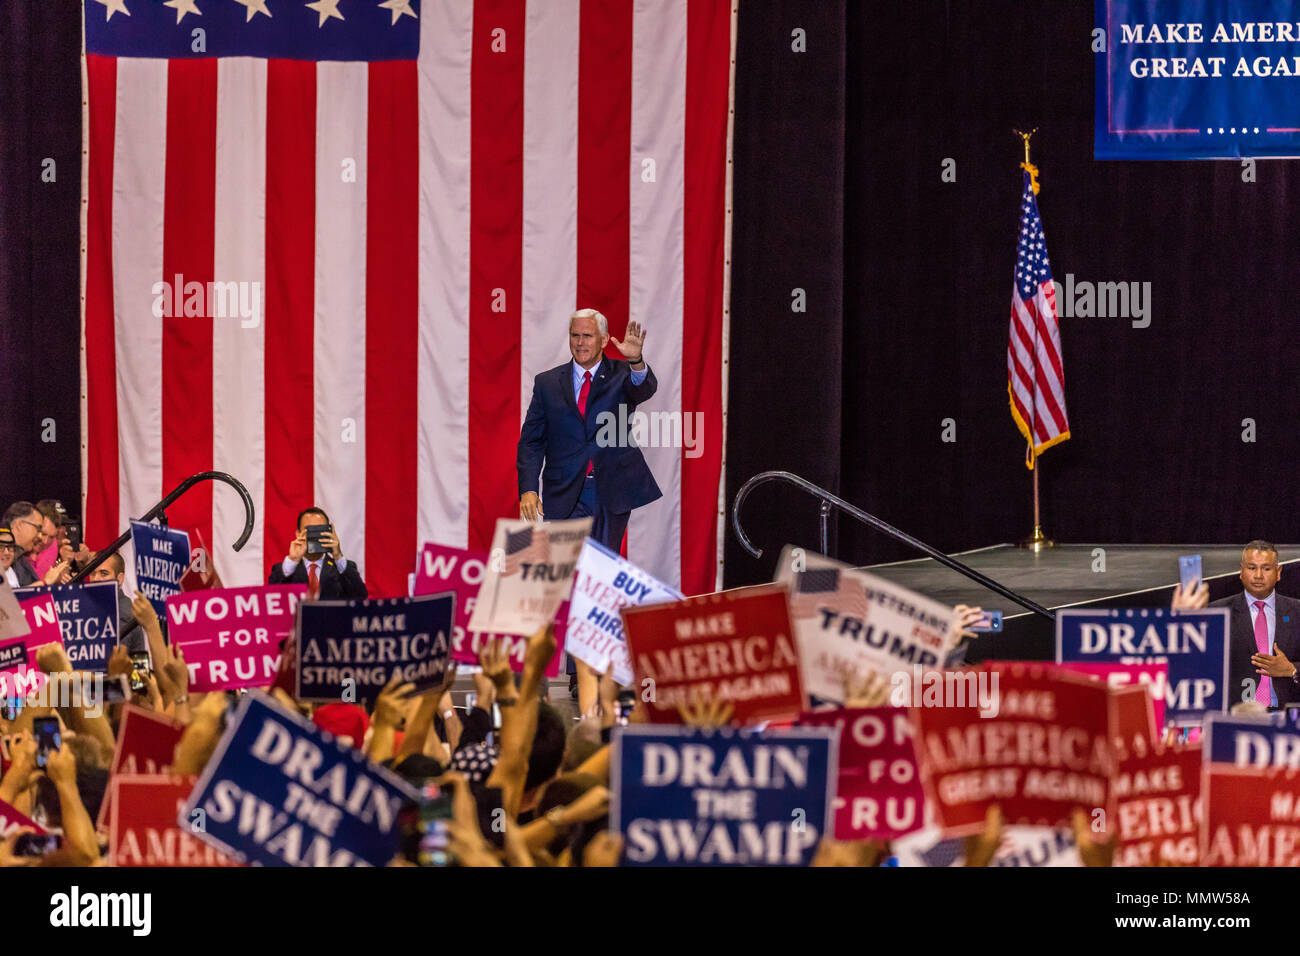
(157, 512)
(829, 500)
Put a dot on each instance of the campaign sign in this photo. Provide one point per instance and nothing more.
(368, 643)
(1116, 676)
(1157, 807)
(1260, 743)
(1195, 643)
(280, 791)
(529, 574)
(442, 568)
(146, 742)
(231, 637)
(1195, 79)
(734, 646)
(683, 796)
(142, 828)
(1251, 817)
(88, 621)
(13, 623)
(11, 819)
(1042, 748)
(603, 584)
(849, 622)
(162, 556)
(19, 674)
(878, 794)
(1020, 846)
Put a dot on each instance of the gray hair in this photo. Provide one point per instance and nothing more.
(601, 324)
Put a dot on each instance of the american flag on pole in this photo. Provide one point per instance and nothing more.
(1035, 378)
(828, 588)
(526, 546)
(328, 245)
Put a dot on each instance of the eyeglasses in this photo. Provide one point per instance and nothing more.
(6, 546)
(38, 527)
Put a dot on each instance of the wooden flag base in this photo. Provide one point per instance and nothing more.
(1036, 542)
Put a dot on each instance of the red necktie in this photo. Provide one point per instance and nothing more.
(313, 582)
(1264, 691)
(582, 405)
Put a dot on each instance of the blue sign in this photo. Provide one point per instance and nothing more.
(1196, 79)
(1195, 643)
(162, 556)
(359, 646)
(1264, 742)
(279, 791)
(690, 797)
(88, 620)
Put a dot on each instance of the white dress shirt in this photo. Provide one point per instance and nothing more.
(288, 567)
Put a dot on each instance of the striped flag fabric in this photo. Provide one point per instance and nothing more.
(329, 244)
(828, 588)
(526, 546)
(1035, 376)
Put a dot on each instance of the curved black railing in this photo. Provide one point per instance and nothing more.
(157, 512)
(829, 500)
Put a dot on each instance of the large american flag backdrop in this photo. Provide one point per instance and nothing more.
(417, 193)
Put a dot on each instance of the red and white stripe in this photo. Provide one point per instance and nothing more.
(1034, 373)
(419, 233)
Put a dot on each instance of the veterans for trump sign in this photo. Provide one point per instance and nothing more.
(690, 797)
(442, 568)
(231, 637)
(162, 556)
(87, 619)
(850, 623)
(529, 574)
(1194, 643)
(360, 646)
(279, 791)
(604, 584)
(731, 646)
(878, 794)
(1044, 750)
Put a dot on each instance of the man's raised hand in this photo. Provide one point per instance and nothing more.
(633, 342)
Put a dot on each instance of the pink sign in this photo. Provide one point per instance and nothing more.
(1122, 675)
(441, 569)
(878, 795)
(231, 637)
(19, 674)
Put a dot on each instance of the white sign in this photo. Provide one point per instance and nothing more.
(530, 570)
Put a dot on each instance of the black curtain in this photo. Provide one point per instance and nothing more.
(1156, 413)
(40, 235)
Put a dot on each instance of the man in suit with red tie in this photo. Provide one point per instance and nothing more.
(327, 574)
(1263, 633)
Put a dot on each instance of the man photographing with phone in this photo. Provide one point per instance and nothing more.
(316, 559)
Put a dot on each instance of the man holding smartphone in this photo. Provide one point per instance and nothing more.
(316, 559)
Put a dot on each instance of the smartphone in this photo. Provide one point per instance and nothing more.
(491, 815)
(11, 707)
(48, 737)
(140, 669)
(424, 828)
(1189, 572)
(990, 622)
(313, 537)
(73, 529)
(496, 716)
(37, 844)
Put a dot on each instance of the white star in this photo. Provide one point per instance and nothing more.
(183, 7)
(326, 9)
(254, 6)
(113, 6)
(399, 8)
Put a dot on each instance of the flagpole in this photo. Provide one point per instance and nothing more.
(1038, 541)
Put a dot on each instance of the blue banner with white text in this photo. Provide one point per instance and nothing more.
(88, 620)
(1197, 79)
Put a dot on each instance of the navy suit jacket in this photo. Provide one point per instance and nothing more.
(333, 585)
(1241, 645)
(555, 433)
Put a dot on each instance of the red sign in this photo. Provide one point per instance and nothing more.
(1251, 817)
(11, 819)
(442, 568)
(145, 744)
(231, 638)
(734, 646)
(143, 828)
(1157, 807)
(878, 792)
(1117, 676)
(1037, 744)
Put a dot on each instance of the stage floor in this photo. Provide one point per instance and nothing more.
(1135, 575)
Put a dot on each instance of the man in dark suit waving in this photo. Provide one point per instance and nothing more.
(327, 574)
(567, 427)
(1263, 633)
